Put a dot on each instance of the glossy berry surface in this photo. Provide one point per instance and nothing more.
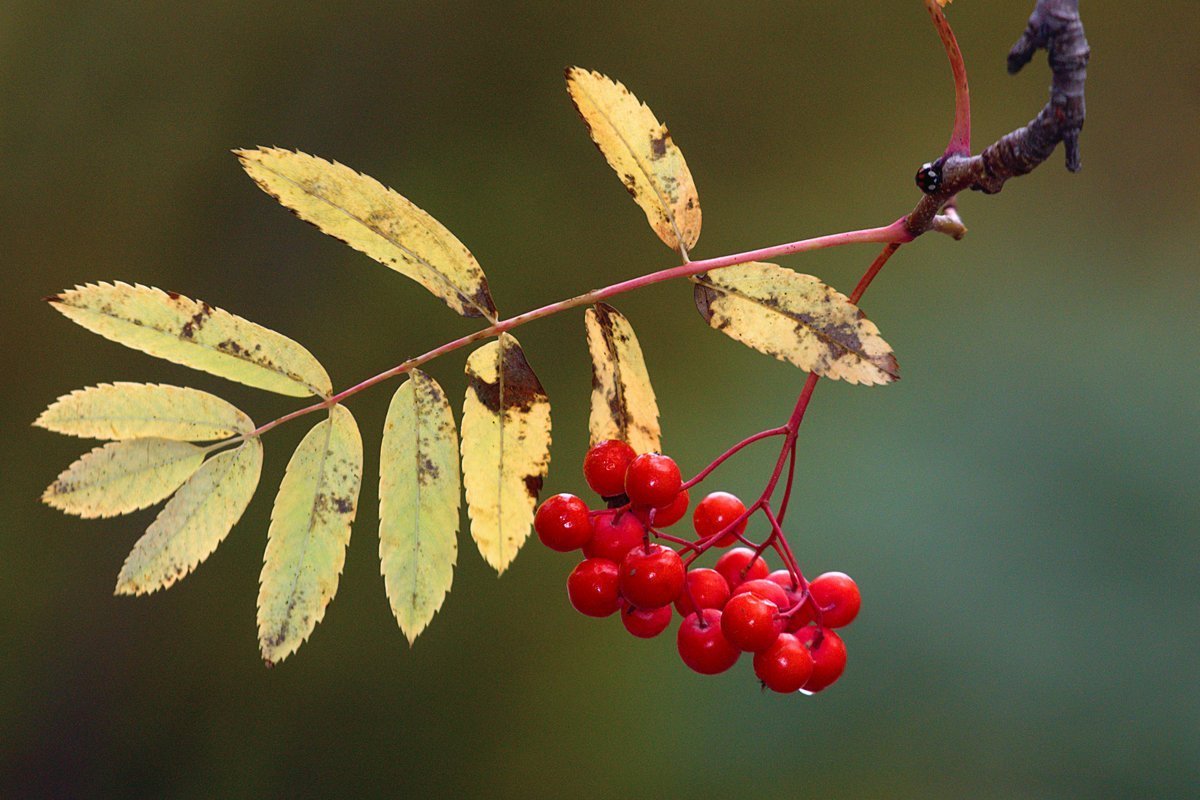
(652, 480)
(605, 465)
(592, 587)
(828, 654)
(837, 595)
(751, 623)
(736, 567)
(646, 623)
(767, 590)
(706, 587)
(668, 515)
(562, 523)
(613, 535)
(803, 615)
(702, 645)
(652, 576)
(715, 513)
(785, 666)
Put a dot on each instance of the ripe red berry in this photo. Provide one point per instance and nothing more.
(645, 623)
(767, 590)
(751, 623)
(828, 655)
(562, 523)
(652, 480)
(613, 535)
(784, 666)
(702, 645)
(736, 566)
(651, 576)
(668, 515)
(803, 615)
(604, 467)
(706, 587)
(837, 595)
(592, 587)
(714, 513)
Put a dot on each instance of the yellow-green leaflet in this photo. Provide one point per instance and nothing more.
(505, 448)
(121, 477)
(795, 318)
(418, 502)
(373, 219)
(136, 410)
(194, 521)
(640, 150)
(623, 404)
(195, 334)
(310, 528)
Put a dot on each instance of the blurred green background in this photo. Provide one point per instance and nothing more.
(1021, 511)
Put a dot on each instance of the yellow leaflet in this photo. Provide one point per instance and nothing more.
(374, 220)
(639, 148)
(193, 333)
(795, 318)
(418, 502)
(121, 477)
(135, 410)
(623, 404)
(505, 448)
(194, 522)
(310, 528)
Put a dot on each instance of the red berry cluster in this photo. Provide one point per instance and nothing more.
(740, 606)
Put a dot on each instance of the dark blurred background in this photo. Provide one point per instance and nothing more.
(1021, 511)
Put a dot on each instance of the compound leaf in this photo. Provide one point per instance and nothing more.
(795, 318)
(195, 334)
(310, 529)
(640, 150)
(136, 410)
(374, 220)
(121, 477)
(194, 522)
(505, 448)
(419, 497)
(623, 404)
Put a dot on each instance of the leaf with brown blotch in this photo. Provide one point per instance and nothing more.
(623, 404)
(640, 150)
(795, 318)
(505, 448)
(419, 496)
(194, 522)
(376, 221)
(125, 476)
(137, 410)
(195, 334)
(310, 529)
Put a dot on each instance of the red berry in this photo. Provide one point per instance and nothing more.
(837, 595)
(784, 666)
(715, 513)
(703, 646)
(767, 590)
(592, 587)
(613, 535)
(651, 576)
(604, 467)
(803, 615)
(736, 566)
(706, 587)
(652, 480)
(668, 515)
(646, 623)
(562, 523)
(751, 623)
(828, 655)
